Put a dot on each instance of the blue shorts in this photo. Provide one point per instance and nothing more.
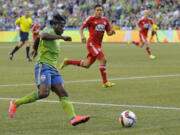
(47, 75)
(24, 36)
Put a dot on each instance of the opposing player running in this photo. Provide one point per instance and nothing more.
(47, 76)
(144, 24)
(36, 29)
(96, 26)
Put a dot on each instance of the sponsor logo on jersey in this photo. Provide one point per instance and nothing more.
(146, 25)
(100, 27)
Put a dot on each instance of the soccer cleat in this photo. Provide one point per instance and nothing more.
(11, 56)
(28, 59)
(108, 84)
(63, 64)
(152, 57)
(12, 109)
(79, 119)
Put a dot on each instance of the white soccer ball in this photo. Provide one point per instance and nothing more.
(127, 118)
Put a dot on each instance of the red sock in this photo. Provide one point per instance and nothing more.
(136, 43)
(74, 62)
(102, 69)
(148, 50)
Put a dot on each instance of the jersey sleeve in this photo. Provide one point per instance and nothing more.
(18, 21)
(87, 22)
(108, 27)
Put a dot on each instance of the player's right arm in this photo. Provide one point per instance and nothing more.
(109, 30)
(47, 36)
(17, 22)
(86, 23)
(83, 38)
(138, 25)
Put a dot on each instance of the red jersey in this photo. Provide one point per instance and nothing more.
(36, 29)
(145, 24)
(96, 27)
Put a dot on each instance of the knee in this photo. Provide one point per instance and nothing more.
(64, 94)
(86, 65)
(20, 45)
(103, 62)
(43, 94)
(141, 46)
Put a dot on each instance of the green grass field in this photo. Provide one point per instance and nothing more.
(140, 81)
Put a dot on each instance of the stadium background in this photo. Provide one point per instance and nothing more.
(149, 88)
(122, 14)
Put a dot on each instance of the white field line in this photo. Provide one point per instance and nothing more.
(102, 104)
(97, 80)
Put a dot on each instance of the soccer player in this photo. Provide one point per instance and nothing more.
(144, 24)
(154, 32)
(46, 74)
(36, 29)
(96, 26)
(25, 23)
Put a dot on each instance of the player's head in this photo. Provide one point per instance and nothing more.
(98, 10)
(58, 22)
(37, 22)
(146, 14)
(26, 13)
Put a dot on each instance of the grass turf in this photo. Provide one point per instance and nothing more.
(123, 61)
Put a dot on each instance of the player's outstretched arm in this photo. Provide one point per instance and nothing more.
(47, 36)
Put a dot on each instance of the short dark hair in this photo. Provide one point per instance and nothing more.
(58, 19)
(98, 5)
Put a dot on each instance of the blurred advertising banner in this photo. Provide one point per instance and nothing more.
(122, 36)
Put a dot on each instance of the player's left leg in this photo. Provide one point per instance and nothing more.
(82, 63)
(58, 88)
(16, 48)
(141, 42)
(28, 44)
(157, 37)
(43, 81)
(103, 72)
(43, 92)
(149, 51)
(152, 34)
(27, 99)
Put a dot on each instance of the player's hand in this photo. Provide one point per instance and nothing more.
(34, 53)
(17, 28)
(83, 39)
(67, 38)
(113, 32)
